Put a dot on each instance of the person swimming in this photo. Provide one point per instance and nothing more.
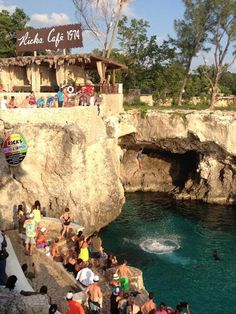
(215, 255)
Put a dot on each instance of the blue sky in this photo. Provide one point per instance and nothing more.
(160, 14)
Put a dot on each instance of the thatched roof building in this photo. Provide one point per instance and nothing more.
(42, 72)
(89, 61)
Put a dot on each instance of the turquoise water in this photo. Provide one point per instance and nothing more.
(173, 243)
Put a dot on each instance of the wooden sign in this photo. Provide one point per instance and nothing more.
(53, 38)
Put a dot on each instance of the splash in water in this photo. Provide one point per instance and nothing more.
(160, 245)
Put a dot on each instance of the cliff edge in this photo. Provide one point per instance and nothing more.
(71, 162)
(190, 154)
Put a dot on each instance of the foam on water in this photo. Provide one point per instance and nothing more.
(160, 245)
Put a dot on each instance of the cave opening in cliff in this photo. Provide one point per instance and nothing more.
(183, 167)
(162, 171)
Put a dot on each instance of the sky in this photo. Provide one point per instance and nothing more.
(159, 13)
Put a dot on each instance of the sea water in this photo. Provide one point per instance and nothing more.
(172, 243)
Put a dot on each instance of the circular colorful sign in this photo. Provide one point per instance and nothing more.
(15, 149)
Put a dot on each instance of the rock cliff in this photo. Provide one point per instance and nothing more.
(71, 162)
(190, 154)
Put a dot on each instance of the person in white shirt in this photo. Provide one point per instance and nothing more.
(4, 103)
(85, 276)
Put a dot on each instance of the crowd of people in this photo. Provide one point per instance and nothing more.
(85, 258)
(86, 96)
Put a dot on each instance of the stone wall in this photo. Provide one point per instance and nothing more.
(70, 162)
(112, 104)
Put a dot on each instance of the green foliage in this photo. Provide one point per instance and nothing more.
(9, 25)
(145, 59)
(139, 105)
(228, 80)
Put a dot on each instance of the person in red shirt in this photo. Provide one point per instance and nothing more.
(75, 307)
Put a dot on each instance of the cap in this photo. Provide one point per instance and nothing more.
(69, 295)
(96, 278)
(116, 277)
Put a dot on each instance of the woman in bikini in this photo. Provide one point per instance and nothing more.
(66, 218)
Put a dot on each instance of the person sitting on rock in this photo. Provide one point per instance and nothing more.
(28, 274)
(42, 238)
(85, 276)
(55, 252)
(132, 307)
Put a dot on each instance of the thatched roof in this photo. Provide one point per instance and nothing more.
(87, 60)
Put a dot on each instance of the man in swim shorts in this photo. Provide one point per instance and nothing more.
(124, 272)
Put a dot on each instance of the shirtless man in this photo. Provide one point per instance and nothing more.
(148, 306)
(95, 296)
(124, 272)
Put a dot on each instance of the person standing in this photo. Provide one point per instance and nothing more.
(74, 306)
(65, 96)
(4, 103)
(3, 258)
(32, 100)
(21, 218)
(37, 211)
(30, 230)
(148, 306)
(60, 98)
(139, 158)
(96, 244)
(124, 272)
(115, 291)
(94, 293)
(66, 218)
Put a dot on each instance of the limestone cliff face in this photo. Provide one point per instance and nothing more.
(189, 154)
(71, 161)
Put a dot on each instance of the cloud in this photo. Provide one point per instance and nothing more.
(49, 19)
(9, 8)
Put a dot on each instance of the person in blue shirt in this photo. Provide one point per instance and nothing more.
(40, 102)
(60, 98)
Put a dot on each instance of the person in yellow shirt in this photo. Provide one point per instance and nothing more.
(36, 210)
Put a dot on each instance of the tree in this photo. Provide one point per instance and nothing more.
(101, 18)
(191, 35)
(9, 25)
(142, 55)
(222, 38)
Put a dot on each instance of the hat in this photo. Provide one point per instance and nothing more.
(31, 215)
(116, 277)
(69, 295)
(43, 229)
(96, 278)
